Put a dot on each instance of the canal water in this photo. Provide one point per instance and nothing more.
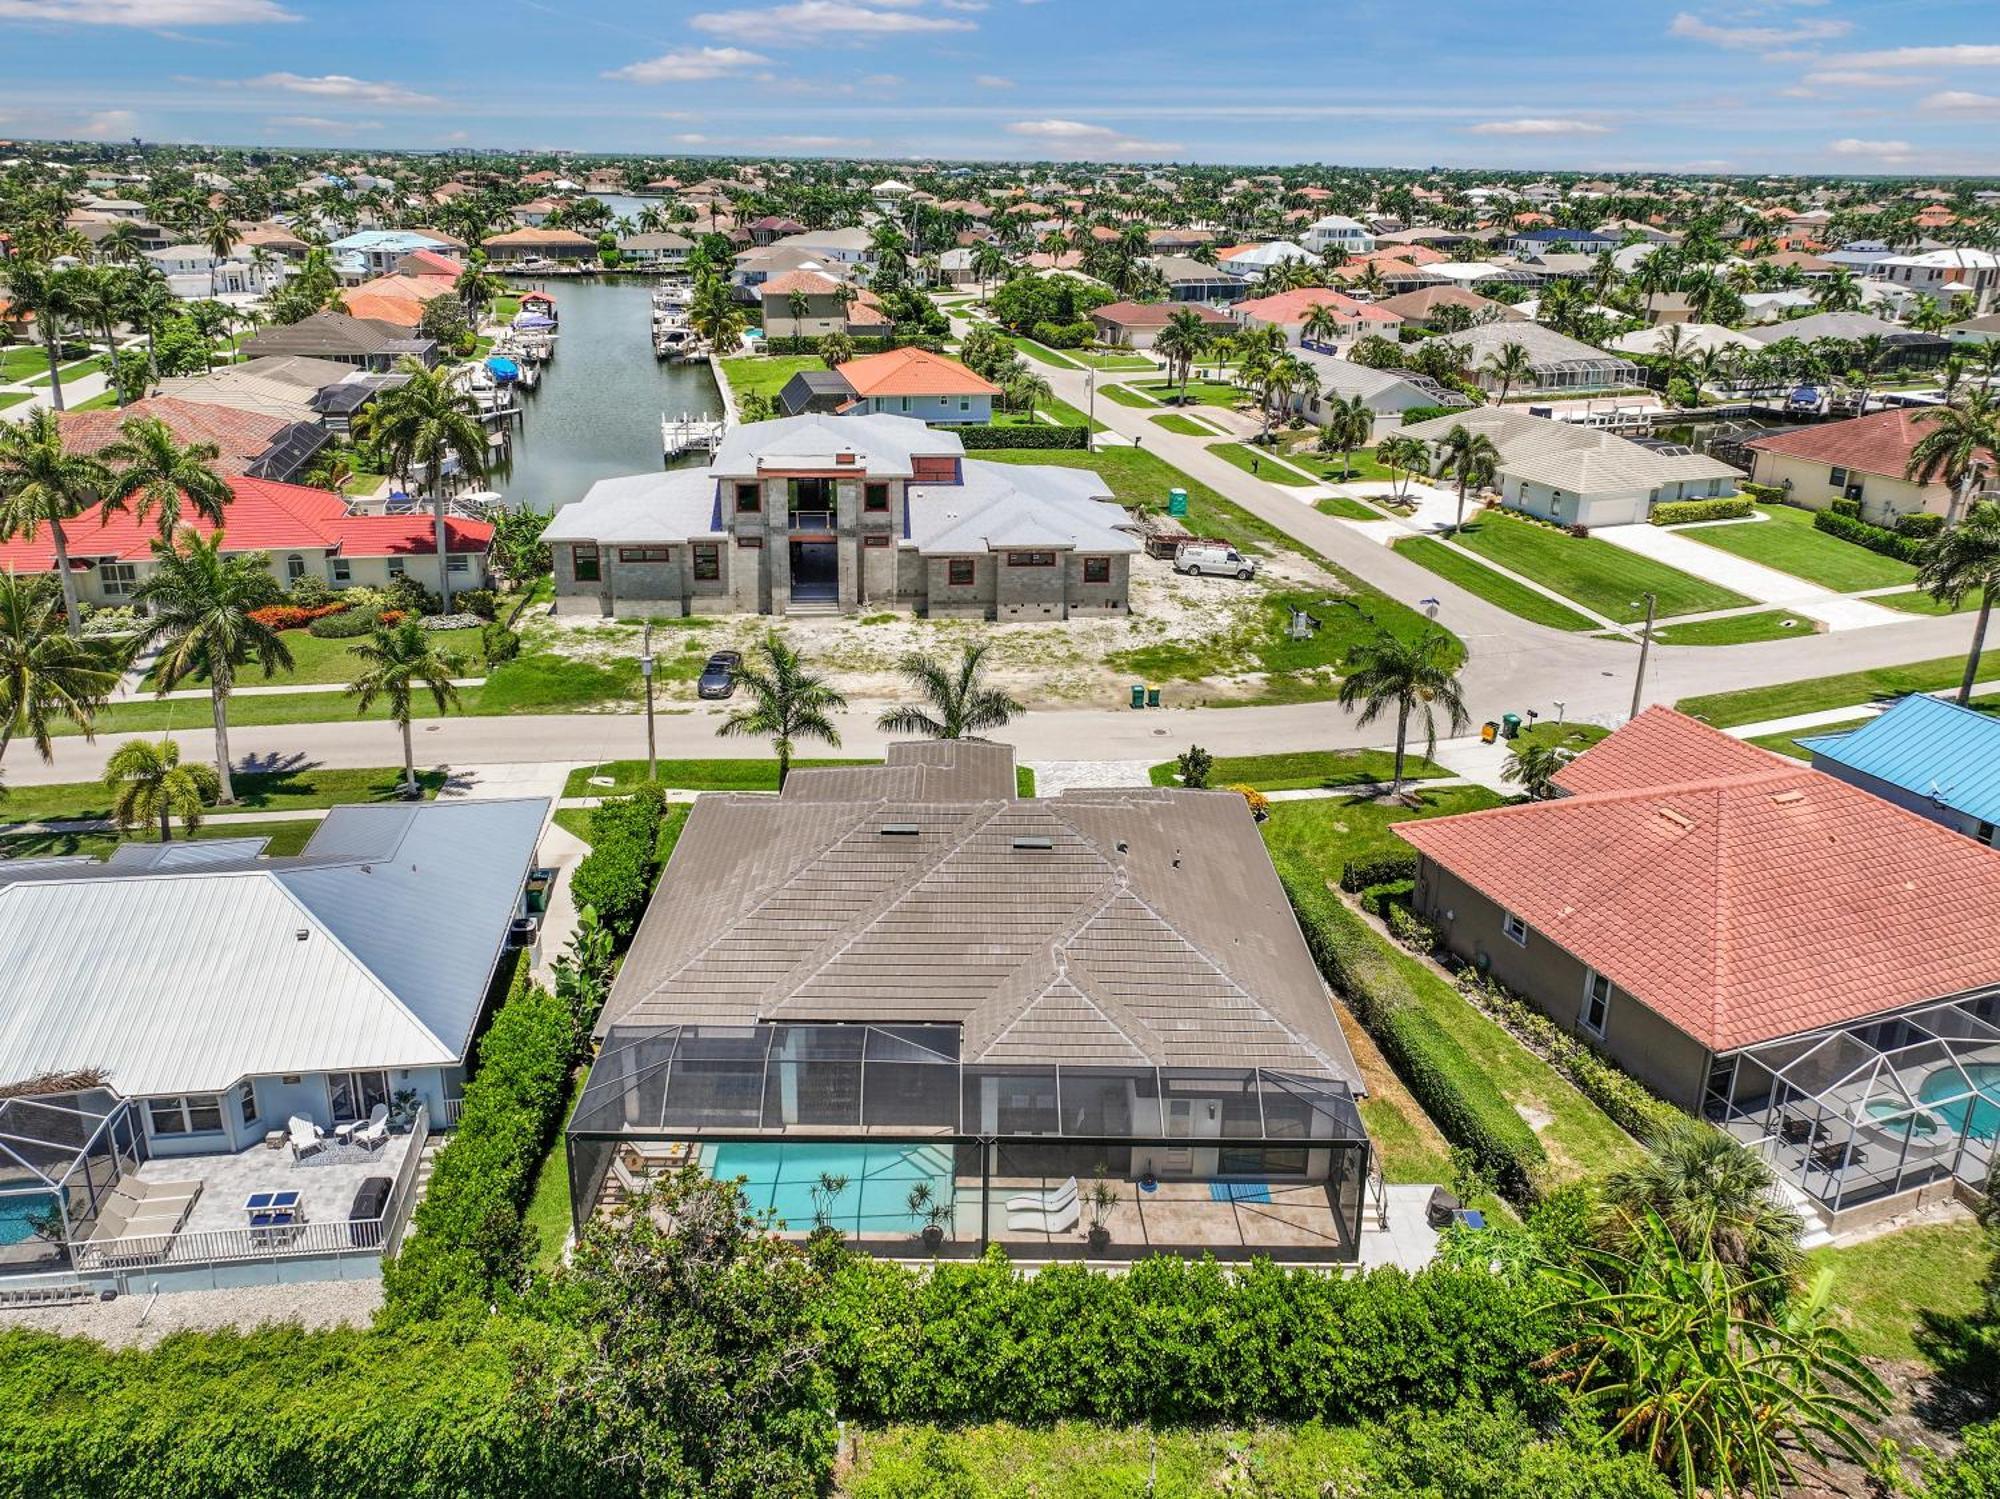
(597, 411)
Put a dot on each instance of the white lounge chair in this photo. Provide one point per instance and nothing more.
(367, 1133)
(307, 1138)
(1061, 1221)
(1044, 1202)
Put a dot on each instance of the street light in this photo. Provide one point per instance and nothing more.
(646, 672)
(1645, 648)
(1090, 414)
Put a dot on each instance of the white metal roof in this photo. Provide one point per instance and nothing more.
(1002, 505)
(664, 507)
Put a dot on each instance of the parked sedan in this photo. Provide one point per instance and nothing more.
(718, 678)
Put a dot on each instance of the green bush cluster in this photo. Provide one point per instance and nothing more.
(1426, 413)
(1875, 538)
(1378, 869)
(1041, 435)
(1921, 524)
(1627, 1101)
(480, 601)
(616, 876)
(468, 1245)
(1680, 512)
(1466, 1106)
(1173, 1341)
(1379, 899)
(1844, 506)
(1070, 335)
(498, 643)
(1769, 494)
(348, 624)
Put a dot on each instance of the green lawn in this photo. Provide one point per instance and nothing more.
(1916, 601)
(687, 775)
(285, 838)
(24, 361)
(1504, 593)
(547, 1212)
(1040, 353)
(574, 821)
(1328, 831)
(1343, 508)
(71, 372)
(318, 661)
(256, 791)
(1064, 413)
(13, 398)
(1577, 737)
(1024, 780)
(1199, 392)
(766, 374)
(1185, 426)
(1253, 461)
(1788, 744)
(1786, 540)
(1125, 395)
(1883, 1287)
(504, 308)
(1328, 466)
(1736, 629)
(1818, 694)
(1305, 769)
(101, 402)
(1592, 572)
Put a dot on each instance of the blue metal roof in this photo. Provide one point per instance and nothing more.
(1929, 747)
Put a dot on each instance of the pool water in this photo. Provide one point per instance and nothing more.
(1978, 1116)
(781, 1178)
(16, 1211)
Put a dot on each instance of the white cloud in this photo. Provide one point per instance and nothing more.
(992, 80)
(806, 21)
(1694, 29)
(974, 5)
(110, 124)
(150, 14)
(689, 64)
(690, 138)
(1075, 138)
(319, 123)
(1964, 55)
(1959, 101)
(339, 86)
(1861, 78)
(1538, 127)
(1885, 150)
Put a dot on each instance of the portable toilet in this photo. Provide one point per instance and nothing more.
(1177, 502)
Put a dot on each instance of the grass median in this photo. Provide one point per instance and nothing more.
(1502, 592)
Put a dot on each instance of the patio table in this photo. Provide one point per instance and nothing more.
(274, 1215)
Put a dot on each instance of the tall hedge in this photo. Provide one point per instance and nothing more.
(1449, 1085)
(1070, 439)
(1875, 538)
(1174, 1341)
(616, 876)
(1681, 512)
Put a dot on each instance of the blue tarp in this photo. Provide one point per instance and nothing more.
(533, 320)
(503, 369)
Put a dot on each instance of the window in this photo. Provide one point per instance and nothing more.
(195, 1114)
(875, 497)
(749, 499)
(583, 564)
(1515, 928)
(645, 554)
(352, 1094)
(458, 564)
(1838, 478)
(1596, 1002)
(707, 562)
(395, 567)
(965, 403)
(906, 403)
(874, 541)
(1031, 559)
(1097, 569)
(958, 572)
(246, 1102)
(295, 567)
(118, 578)
(343, 570)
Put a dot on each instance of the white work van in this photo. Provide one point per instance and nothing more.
(1213, 559)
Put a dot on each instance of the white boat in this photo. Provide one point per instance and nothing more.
(672, 294)
(676, 341)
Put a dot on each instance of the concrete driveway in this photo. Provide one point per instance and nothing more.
(1753, 580)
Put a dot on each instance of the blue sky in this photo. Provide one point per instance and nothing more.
(1755, 85)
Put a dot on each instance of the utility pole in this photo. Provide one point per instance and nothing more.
(646, 671)
(1090, 418)
(1645, 646)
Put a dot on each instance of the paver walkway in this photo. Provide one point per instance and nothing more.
(1751, 579)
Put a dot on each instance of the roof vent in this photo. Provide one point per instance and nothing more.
(1679, 819)
(900, 830)
(1034, 843)
(301, 934)
(1786, 798)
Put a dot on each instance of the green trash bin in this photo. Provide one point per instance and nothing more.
(1138, 694)
(1510, 725)
(1152, 697)
(1177, 502)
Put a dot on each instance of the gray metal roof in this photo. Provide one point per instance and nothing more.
(882, 446)
(662, 507)
(1003, 505)
(182, 974)
(1107, 925)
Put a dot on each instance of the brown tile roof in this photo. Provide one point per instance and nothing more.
(1876, 444)
(1425, 300)
(811, 283)
(1155, 314)
(1740, 904)
(241, 435)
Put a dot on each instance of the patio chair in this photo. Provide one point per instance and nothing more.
(1796, 1131)
(307, 1138)
(1044, 1202)
(367, 1133)
(1060, 1221)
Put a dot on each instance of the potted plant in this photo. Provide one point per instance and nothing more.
(931, 1215)
(1100, 1197)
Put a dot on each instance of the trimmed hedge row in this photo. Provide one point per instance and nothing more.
(1425, 413)
(1770, 494)
(1680, 512)
(1448, 1085)
(1875, 538)
(1175, 1341)
(1040, 436)
(1378, 869)
(616, 876)
(468, 1243)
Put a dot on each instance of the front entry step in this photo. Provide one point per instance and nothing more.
(813, 608)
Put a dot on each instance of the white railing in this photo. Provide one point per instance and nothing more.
(448, 1115)
(403, 1197)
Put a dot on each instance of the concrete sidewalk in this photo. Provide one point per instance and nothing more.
(1765, 585)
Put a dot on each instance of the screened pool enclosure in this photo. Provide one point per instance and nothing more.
(1873, 1110)
(60, 1154)
(881, 1131)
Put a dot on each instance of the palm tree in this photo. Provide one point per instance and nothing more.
(1349, 425)
(787, 703)
(218, 237)
(1024, 390)
(202, 607)
(42, 483)
(1715, 1197)
(1414, 677)
(989, 261)
(1955, 562)
(1963, 435)
(1472, 457)
(425, 423)
(959, 703)
(1321, 324)
(476, 285)
(1839, 292)
(714, 315)
(46, 673)
(1508, 364)
(98, 296)
(396, 662)
(798, 304)
(39, 290)
(1181, 343)
(155, 473)
(1534, 767)
(150, 785)
(1402, 456)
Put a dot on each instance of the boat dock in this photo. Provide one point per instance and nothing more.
(689, 434)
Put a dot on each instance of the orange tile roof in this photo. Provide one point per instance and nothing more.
(811, 283)
(1658, 747)
(396, 299)
(1294, 306)
(1739, 905)
(913, 372)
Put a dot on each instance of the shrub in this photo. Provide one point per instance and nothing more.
(479, 601)
(983, 1342)
(498, 642)
(1849, 508)
(296, 616)
(1195, 764)
(1426, 413)
(1377, 899)
(1875, 538)
(1447, 1083)
(406, 593)
(1041, 436)
(348, 624)
(1920, 524)
(616, 876)
(1770, 494)
(1409, 929)
(1378, 869)
(1680, 512)
(1065, 335)
(309, 591)
(469, 1245)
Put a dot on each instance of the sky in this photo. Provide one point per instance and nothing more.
(1822, 86)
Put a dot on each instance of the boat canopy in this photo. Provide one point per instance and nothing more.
(503, 369)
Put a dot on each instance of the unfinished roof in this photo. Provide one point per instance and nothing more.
(372, 949)
(1739, 905)
(1143, 925)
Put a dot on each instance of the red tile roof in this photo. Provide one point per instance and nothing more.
(913, 372)
(263, 516)
(241, 435)
(1876, 444)
(811, 283)
(1741, 905)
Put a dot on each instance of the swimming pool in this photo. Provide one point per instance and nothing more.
(1979, 1114)
(17, 1211)
(780, 1179)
